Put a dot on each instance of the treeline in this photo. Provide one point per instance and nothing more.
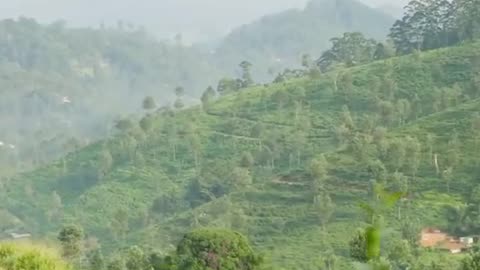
(426, 25)
(201, 249)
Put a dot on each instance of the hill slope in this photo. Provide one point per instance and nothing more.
(245, 162)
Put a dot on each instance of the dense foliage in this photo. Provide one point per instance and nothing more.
(432, 24)
(216, 249)
(28, 257)
(285, 164)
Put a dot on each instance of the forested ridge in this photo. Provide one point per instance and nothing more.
(278, 41)
(338, 164)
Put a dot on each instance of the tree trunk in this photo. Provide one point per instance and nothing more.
(174, 148)
(298, 158)
(196, 159)
(290, 161)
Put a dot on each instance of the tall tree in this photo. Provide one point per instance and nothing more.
(179, 92)
(386, 111)
(351, 49)
(413, 155)
(149, 104)
(70, 237)
(324, 208)
(246, 74)
(467, 15)
(146, 123)
(116, 263)
(56, 206)
(426, 24)
(247, 160)
(105, 163)
(403, 110)
(136, 259)
(307, 61)
(207, 97)
(319, 172)
(400, 254)
(346, 118)
(241, 177)
(96, 260)
(396, 154)
(400, 183)
(475, 129)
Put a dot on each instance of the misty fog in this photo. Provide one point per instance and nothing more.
(131, 51)
(202, 20)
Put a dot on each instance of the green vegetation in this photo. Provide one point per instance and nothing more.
(248, 161)
(337, 165)
(216, 249)
(29, 257)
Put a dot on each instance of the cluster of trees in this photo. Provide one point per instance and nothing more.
(432, 24)
(426, 25)
(201, 249)
(352, 49)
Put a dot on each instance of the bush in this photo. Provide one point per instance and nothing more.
(29, 257)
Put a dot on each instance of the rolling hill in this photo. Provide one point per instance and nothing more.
(246, 161)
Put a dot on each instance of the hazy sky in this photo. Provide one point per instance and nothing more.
(195, 19)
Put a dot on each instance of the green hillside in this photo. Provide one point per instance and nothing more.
(287, 164)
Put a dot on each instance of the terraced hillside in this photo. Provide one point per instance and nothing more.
(287, 164)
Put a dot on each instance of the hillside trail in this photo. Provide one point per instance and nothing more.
(256, 121)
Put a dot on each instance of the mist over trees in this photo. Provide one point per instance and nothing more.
(342, 162)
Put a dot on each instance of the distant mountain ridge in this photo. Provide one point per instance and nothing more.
(277, 41)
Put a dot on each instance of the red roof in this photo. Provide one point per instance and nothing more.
(432, 237)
